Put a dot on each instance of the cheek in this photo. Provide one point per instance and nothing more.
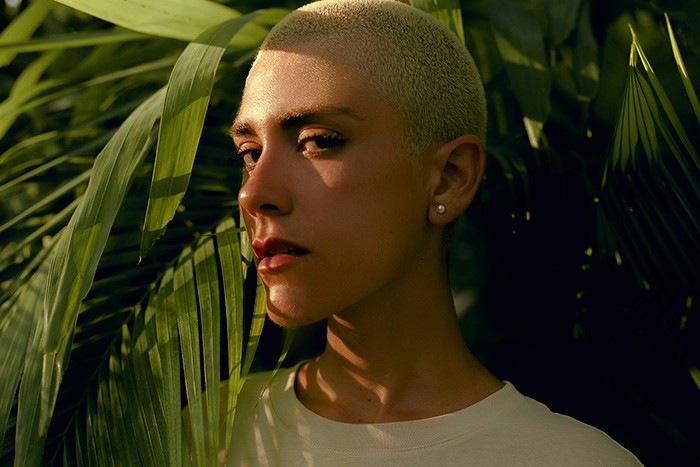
(247, 222)
(371, 224)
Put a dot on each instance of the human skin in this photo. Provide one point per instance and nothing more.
(345, 229)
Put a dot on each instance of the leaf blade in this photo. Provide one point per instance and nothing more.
(178, 19)
(520, 41)
(186, 102)
(22, 27)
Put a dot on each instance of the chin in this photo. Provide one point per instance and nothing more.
(289, 318)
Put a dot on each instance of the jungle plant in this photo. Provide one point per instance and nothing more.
(126, 292)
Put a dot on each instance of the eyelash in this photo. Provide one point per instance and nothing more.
(242, 155)
(323, 142)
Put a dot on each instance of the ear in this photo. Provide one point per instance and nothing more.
(459, 167)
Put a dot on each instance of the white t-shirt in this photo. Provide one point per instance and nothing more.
(273, 428)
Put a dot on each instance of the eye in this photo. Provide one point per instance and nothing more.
(316, 143)
(249, 155)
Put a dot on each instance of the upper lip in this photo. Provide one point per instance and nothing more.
(274, 246)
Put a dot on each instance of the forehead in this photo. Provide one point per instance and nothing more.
(289, 82)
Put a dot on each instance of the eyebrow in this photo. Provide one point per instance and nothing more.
(297, 118)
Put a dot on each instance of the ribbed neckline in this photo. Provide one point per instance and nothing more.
(392, 436)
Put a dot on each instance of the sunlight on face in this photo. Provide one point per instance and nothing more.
(331, 201)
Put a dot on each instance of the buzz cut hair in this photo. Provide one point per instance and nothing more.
(401, 52)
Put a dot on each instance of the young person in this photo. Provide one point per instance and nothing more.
(361, 129)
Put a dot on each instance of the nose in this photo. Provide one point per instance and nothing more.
(266, 191)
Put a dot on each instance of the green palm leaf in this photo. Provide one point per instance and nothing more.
(63, 281)
(134, 334)
(23, 27)
(177, 19)
(25, 87)
(185, 107)
(143, 364)
(687, 84)
(141, 390)
(229, 252)
(71, 40)
(648, 220)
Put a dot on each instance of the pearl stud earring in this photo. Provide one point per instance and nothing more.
(440, 208)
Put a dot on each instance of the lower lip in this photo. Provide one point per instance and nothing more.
(273, 264)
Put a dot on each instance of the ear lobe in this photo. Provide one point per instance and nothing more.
(463, 162)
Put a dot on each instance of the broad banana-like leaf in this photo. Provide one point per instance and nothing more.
(447, 11)
(521, 43)
(561, 17)
(586, 69)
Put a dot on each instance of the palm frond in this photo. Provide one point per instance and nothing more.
(71, 40)
(23, 27)
(687, 84)
(648, 220)
(186, 104)
(145, 340)
(179, 19)
(66, 276)
(130, 346)
(141, 392)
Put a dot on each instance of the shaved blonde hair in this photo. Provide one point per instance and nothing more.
(403, 53)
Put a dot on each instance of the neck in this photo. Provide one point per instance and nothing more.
(402, 358)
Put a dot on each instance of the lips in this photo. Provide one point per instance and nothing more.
(275, 254)
(273, 246)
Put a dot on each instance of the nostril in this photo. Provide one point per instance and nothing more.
(265, 195)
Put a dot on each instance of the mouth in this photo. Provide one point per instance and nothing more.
(274, 247)
(275, 254)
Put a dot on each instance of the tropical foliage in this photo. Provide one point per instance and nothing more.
(125, 292)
